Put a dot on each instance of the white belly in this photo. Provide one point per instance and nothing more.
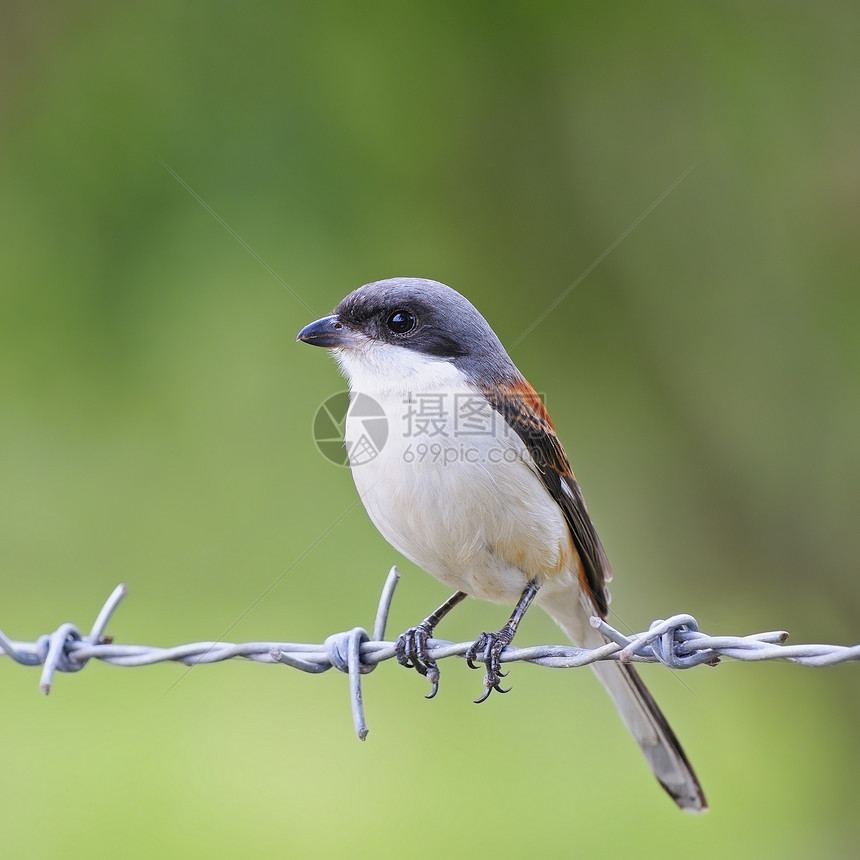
(462, 500)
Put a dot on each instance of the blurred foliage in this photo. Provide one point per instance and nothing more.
(155, 412)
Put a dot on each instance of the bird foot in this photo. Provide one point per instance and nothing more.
(411, 652)
(487, 649)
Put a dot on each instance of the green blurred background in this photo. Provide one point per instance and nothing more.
(155, 411)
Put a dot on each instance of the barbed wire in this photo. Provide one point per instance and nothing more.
(675, 642)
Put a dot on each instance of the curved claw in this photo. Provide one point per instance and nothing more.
(489, 689)
(487, 649)
(484, 696)
(432, 675)
(479, 650)
(411, 652)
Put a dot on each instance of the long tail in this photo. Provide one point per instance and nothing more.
(637, 708)
(653, 734)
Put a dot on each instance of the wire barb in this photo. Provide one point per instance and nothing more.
(675, 642)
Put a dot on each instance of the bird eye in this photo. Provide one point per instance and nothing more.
(401, 322)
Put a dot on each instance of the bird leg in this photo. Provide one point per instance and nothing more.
(411, 646)
(488, 647)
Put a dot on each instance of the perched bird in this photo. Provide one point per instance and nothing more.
(473, 485)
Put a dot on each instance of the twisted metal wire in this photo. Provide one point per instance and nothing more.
(675, 642)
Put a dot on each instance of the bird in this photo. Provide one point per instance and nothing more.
(472, 485)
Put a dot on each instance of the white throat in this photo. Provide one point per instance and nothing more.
(382, 370)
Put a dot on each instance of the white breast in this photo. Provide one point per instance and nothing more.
(453, 488)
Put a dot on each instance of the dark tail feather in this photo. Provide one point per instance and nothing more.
(653, 734)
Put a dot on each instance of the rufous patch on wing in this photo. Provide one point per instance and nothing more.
(526, 414)
(525, 392)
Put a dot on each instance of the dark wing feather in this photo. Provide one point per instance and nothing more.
(523, 410)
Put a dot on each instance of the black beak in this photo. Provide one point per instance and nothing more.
(329, 332)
